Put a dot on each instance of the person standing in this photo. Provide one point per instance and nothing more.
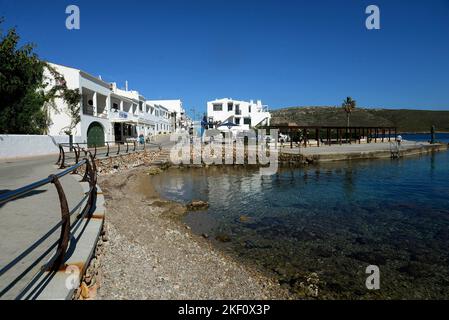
(399, 140)
(432, 135)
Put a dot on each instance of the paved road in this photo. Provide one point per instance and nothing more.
(25, 220)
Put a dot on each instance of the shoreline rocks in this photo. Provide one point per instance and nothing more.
(197, 205)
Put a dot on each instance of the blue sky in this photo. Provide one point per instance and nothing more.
(286, 53)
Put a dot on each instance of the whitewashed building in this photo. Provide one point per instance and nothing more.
(179, 120)
(94, 109)
(244, 115)
(163, 123)
(107, 112)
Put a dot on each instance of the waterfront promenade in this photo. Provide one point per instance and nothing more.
(26, 219)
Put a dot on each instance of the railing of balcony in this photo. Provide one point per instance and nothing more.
(88, 110)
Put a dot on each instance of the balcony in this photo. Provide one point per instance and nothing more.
(88, 110)
(147, 118)
(121, 116)
(94, 104)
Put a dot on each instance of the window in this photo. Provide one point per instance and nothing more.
(218, 107)
(237, 109)
(237, 120)
(230, 106)
(249, 109)
(247, 121)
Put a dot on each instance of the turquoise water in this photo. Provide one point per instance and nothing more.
(440, 137)
(332, 220)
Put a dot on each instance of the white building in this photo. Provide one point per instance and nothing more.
(163, 115)
(107, 112)
(244, 115)
(179, 119)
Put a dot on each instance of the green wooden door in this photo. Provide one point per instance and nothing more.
(95, 135)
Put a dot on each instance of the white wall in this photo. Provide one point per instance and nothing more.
(60, 117)
(22, 146)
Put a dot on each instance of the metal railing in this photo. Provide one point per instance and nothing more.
(111, 148)
(66, 227)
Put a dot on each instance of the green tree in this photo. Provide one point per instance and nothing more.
(26, 95)
(21, 97)
(348, 106)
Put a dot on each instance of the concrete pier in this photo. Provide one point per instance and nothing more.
(358, 151)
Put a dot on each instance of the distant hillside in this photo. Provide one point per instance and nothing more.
(405, 120)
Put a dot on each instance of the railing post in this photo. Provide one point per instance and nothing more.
(62, 166)
(93, 185)
(86, 171)
(107, 153)
(95, 154)
(71, 142)
(118, 151)
(65, 227)
(77, 159)
(127, 147)
(60, 155)
(134, 146)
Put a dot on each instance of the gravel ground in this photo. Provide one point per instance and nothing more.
(152, 255)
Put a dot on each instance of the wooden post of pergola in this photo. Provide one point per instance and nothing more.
(306, 133)
(291, 138)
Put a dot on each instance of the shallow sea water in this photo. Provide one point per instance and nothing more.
(331, 220)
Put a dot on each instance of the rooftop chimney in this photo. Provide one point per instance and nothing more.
(126, 85)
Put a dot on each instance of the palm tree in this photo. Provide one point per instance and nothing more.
(348, 106)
